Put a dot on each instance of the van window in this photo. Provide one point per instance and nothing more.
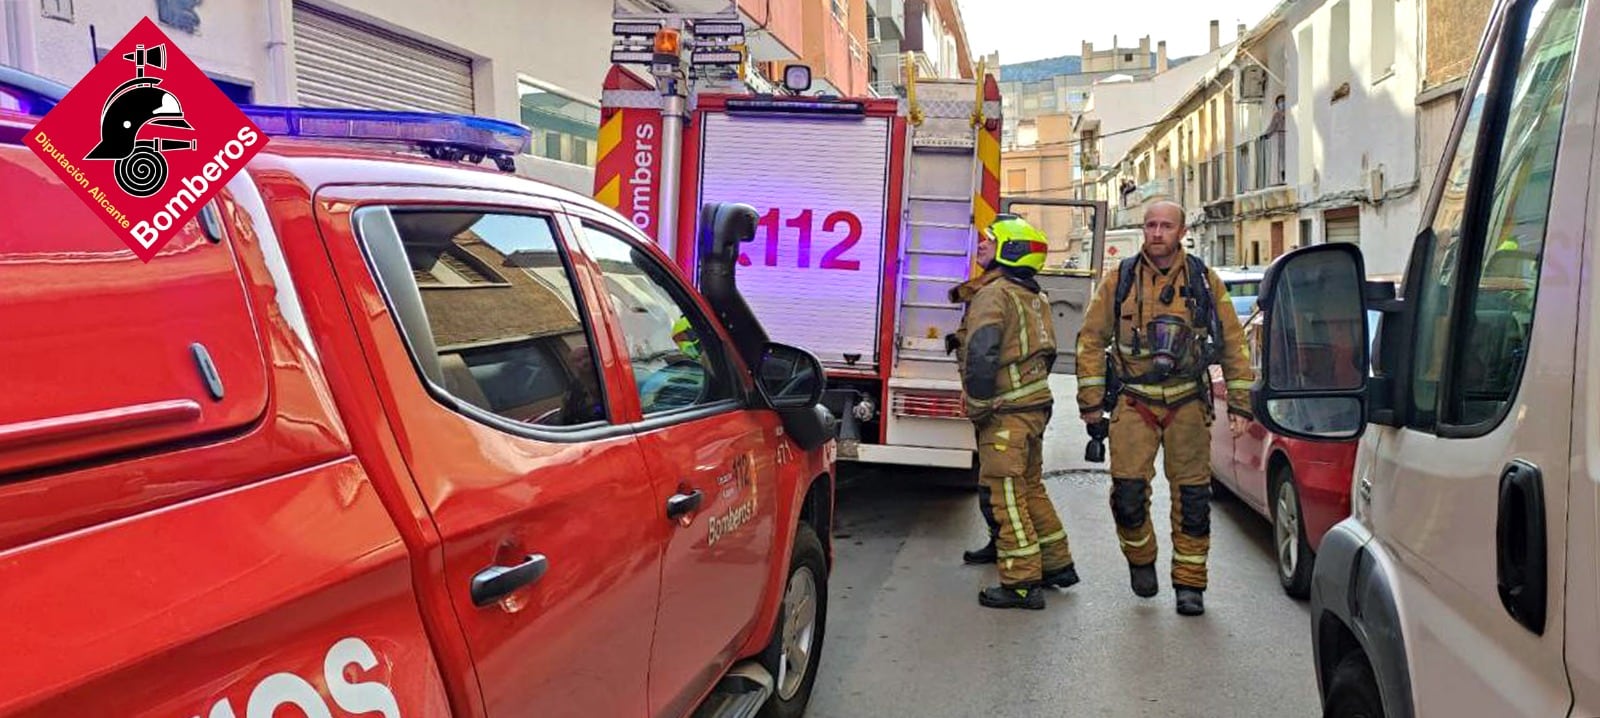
(678, 362)
(506, 324)
(1495, 344)
(1490, 346)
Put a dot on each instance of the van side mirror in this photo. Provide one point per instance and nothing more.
(789, 377)
(1316, 353)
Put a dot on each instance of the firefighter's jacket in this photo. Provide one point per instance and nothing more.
(1005, 346)
(1143, 304)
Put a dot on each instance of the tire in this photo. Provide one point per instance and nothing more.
(1294, 557)
(807, 563)
(1353, 690)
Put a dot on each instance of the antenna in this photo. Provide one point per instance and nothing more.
(94, 45)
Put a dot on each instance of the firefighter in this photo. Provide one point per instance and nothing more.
(1176, 319)
(1004, 348)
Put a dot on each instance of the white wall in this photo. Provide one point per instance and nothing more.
(565, 44)
(1374, 126)
(230, 42)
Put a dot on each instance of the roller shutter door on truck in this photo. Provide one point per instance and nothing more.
(821, 189)
(340, 62)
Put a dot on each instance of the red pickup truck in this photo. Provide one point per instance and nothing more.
(385, 435)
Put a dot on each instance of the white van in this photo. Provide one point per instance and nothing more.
(1467, 580)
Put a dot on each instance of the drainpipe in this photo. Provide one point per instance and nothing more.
(23, 52)
(280, 79)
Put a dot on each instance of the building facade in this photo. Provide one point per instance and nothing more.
(540, 64)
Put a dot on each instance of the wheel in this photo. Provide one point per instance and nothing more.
(1289, 536)
(796, 646)
(1353, 690)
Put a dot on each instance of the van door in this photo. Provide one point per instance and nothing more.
(714, 462)
(1470, 495)
(492, 372)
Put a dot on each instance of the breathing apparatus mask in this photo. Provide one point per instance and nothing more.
(1170, 338)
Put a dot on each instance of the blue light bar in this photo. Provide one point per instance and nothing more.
(441, 136)
(27, 93)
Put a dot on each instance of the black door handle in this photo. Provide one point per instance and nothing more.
(1521, 557)
(681, 504)
(497, 582)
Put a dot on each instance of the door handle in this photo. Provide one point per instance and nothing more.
(1521, 557)
(497, 582)
(681, 504)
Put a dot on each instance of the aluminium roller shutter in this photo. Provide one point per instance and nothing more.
(341, 62)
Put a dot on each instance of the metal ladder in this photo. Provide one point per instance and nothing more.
(939, 239)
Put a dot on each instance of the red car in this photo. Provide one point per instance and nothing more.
(1303, 487)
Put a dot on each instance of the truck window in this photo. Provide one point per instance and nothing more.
(506, 321)
(1507, 227)
(678, 363)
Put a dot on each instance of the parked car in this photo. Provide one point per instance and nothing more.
(1302, 487)
(1243, 284)
(1466, 581)
(384, 435)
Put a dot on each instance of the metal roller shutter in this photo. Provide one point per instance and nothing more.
(821, 180)
(1346, 229)
(341, 62)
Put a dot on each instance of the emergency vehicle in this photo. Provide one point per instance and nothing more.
(387, 435)
(869, 209)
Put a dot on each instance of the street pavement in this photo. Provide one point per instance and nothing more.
(906, 636)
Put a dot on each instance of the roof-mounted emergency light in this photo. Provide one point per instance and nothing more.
(440, 136)
(774, 106)
(28, 93)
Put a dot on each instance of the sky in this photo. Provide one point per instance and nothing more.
(1023, 30)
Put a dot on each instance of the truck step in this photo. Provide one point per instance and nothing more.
(740, 694)
(944, 143)
(940, 225)
(932, 305)
(939, 198)
(938, 252)
(940, 280)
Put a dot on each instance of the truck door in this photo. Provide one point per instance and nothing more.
(185, 529)
(1469, 497)
(713, 461)
(492, 372)
(1077, 229)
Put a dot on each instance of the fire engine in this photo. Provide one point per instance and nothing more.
(868, 207)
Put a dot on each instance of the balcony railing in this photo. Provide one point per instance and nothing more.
(1269, 156)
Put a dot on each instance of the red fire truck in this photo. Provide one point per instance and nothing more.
(868, 208)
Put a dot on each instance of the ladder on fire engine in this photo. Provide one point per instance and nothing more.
(943, 174)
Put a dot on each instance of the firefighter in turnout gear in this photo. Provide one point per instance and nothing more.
(1005, 348)
(1146, 359)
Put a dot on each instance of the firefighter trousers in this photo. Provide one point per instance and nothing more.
(1183, 433)
(1031, 541)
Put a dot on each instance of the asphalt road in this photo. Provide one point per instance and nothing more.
(906, 636)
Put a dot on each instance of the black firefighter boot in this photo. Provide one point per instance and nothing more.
(1191, 601)
(987, 554)
(1064, 577)
(1143, 580)
(1030, 597)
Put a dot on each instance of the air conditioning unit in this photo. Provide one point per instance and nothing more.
(1252, 83)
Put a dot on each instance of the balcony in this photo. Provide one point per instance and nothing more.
(1268, 151)
(891, 16)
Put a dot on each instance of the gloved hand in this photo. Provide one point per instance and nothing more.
(951, 343)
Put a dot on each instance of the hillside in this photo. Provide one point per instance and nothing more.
(1035, 70)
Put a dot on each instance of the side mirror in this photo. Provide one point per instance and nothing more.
(1315, 353)
(789, 377)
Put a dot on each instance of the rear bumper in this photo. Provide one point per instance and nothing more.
(907, 456)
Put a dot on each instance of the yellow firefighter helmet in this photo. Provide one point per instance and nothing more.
(1017, 243)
